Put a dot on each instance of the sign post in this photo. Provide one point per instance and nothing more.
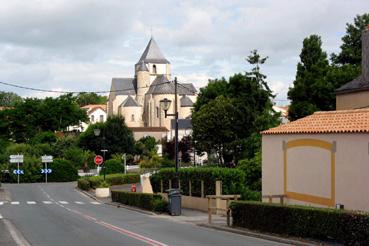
(17, 159)
(46, 159)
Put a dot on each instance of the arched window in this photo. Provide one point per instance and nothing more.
(154, 69)
(132, 117)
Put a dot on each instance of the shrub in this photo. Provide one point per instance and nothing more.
(44, 137)
(111, 179)
(252, 170)
(103, 184)
(233, 180)
(62, 171)
(83, 184)
(345, 227)
(142, 200)
(113, 166)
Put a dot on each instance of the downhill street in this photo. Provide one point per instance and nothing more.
(56, 214)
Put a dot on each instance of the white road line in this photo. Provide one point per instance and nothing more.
(47, 202)
(14, 203)
(31, 202)
(1, 203)
(63, 202)
(95, 203)
(80, 202)
(1, 216)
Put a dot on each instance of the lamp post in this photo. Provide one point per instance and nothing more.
(97, 132)
(165, 104)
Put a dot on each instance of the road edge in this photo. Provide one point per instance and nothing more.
(248, 233)
(17, 236)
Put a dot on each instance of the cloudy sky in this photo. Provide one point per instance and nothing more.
(80, 45)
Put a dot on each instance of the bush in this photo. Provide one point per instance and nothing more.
(142, 200)
(233, 180)
(62, 171)
(252, 170)
(83, 184)
(341, 226)
(113, 166)
(111, 179)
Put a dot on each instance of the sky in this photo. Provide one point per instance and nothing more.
(81, 45)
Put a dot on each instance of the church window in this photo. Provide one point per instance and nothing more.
(157, 112)
(154, 69)
(132, 117)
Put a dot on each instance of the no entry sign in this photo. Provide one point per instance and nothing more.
(98, 160)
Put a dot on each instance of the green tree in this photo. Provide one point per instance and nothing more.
(310, 91)
(351, 47)
(9, 99)
(85, 98)
(214, 89)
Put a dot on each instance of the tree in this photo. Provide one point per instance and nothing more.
(214, 89)
(351, 47)
(9, 99)
(85, 98)
(310, 91)
(114, 136)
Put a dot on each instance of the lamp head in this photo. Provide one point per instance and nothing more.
(165, 104)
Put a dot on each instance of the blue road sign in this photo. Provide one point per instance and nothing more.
(46, 170)
(18, 171)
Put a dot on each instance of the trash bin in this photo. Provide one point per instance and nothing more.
(174, 201)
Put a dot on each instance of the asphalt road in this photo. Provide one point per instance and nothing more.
(56, 214)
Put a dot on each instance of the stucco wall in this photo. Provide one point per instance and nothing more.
(127, 113)
(335, 170)
(352, 100)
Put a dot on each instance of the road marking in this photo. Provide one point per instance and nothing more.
(47, 202)
(14, 203)
(95, 203)
(1, 216)
(31, 202)
(1, 203)
(63, 202)
(80, 202)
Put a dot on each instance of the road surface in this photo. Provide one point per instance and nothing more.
(56, 214)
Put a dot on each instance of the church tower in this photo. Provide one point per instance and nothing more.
(143, 82)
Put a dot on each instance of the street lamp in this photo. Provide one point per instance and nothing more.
(165, 104)
(97, 132)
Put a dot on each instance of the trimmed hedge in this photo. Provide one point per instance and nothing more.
(347, 227)
(93, 182)
(232, 178)
(142, 200)
(113, 166)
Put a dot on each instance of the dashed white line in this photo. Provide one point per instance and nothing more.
(47, 202)
(63, 202)
(79, 202)
(31, 202)
(14, 203)
(95, 203)
(1, 203)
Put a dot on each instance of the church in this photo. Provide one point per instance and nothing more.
(137, 99)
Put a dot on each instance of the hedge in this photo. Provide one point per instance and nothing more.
(113, 166)
(62, 171)
(233, 180)
(347, 227)
(87, 183)
(142, 200)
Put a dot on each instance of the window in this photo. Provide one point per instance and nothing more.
(101, 118)
(132, 117)
(157, 112)
(154, 69)
(92, 118)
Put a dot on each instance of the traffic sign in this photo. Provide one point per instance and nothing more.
(46, 158)
(18, 171)
(16, 159)
(98, 160)
(46, 170)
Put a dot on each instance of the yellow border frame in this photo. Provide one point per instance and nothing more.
(306, 197)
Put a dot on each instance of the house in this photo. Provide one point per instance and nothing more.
(319, 160)
(95, 113)
(137, 99)
(355, 94)
(283, 110)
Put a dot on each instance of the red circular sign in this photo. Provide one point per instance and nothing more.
(98, 160)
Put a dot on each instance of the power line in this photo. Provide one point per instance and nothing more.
(77, 92)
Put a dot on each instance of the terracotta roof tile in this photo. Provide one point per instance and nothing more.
(341, 121)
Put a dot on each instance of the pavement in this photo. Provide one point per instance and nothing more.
(57, 214)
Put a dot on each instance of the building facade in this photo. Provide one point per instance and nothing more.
(137, 99)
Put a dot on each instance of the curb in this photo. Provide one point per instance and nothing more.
(115, 204)
(248, 233)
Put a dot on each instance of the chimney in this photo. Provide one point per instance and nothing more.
(365, 54)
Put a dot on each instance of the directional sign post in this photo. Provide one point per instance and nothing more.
(17, 159)
(46, 159)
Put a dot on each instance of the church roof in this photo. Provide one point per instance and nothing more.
(153, 54)
(161, 85)
(186, 101)
(124, 86)
(129, 102)
(142, 67)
